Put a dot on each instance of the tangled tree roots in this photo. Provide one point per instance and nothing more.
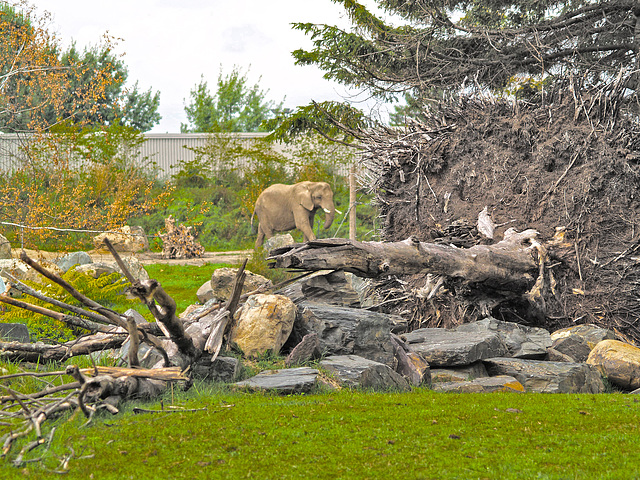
(568, 163)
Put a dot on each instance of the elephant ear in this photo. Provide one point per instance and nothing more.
(303, 195)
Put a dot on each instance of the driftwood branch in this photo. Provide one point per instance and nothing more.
(113, 317)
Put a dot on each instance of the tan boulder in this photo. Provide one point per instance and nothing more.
(619, 361)
(264, 324)
(5, 247)
(125, 239)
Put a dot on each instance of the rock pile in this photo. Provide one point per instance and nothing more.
(360, 348)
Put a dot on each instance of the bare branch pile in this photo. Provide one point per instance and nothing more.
(179, 242)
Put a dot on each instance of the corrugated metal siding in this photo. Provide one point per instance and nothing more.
(167, 150)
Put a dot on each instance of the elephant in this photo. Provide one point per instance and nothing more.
(284, 207)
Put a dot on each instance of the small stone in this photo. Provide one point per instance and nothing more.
(499, 383)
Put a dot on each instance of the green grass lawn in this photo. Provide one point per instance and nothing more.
(346, 434)
(182, 281)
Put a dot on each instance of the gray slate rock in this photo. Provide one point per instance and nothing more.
(459, 374)
(549, 377)
(284, 381)
(410, 365)
(355, 371)
(222, 370)
(74, 258)
(500, 383)
(331, 288)
(346, 331)
(521, 341)
(14, 332)
(449, 348)
(573, 348)
(306, 350)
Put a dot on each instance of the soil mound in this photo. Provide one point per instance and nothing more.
(568, 161)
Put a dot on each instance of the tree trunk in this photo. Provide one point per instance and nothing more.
(510, 264)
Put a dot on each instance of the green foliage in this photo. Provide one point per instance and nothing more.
(354, 435)
(44, 85)
(235, 107)
(428, 48)
(119, 105)
(332, 120)
(106, 290)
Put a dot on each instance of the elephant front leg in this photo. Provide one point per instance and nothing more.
(304, 223)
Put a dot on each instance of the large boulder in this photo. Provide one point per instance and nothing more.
(278, 241)
(264, 324)
(441, 347)
(355, 371)
(499, 383)
(548, 377)
(97, 269)
(5, 247)
(73, 258)
(347, 331)
(125, 239)
(521, 341)
(591, 333)
(331, 288)
(221, 370)
(223, 280)
(619, 361)
(23, 272)
(134, 266)
(284, 381)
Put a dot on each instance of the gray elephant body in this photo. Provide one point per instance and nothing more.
(284, 207)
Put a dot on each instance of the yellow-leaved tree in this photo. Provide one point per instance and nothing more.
(65, 163)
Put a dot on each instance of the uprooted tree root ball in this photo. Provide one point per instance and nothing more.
(567, 165)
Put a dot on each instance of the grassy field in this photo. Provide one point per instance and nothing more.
(357, 435)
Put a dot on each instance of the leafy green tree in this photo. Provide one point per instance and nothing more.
(236, 106)
(440, 46)
(119, 105)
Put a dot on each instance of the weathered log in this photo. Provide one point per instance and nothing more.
(510, 264)
(38, 352)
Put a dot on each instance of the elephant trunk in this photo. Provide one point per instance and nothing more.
(329, 215)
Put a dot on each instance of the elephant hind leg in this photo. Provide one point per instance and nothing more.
(262, 235)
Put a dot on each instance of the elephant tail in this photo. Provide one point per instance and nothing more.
(254, 229)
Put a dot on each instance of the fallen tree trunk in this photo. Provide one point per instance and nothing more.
(512, 264)
(41, 352)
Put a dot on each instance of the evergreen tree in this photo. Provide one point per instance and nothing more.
(429, 47)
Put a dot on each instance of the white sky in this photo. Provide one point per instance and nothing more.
(169, 44)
